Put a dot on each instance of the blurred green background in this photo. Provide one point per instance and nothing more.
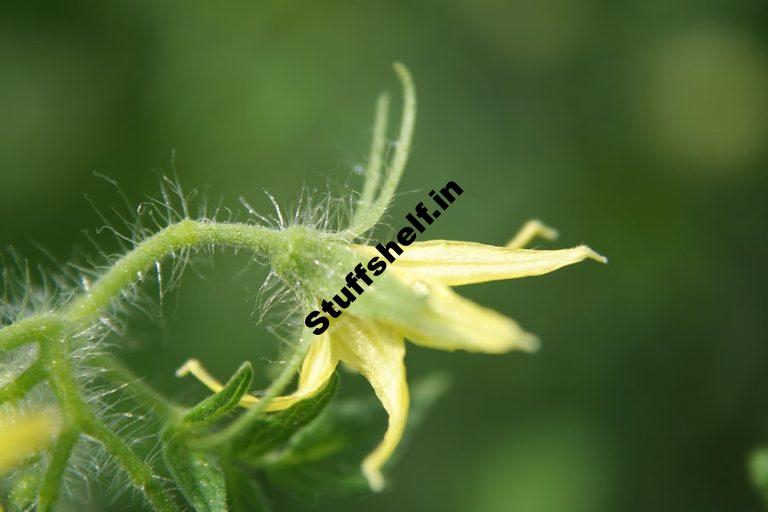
(636, 127)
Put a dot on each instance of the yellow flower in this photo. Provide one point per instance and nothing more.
(24, 434)
(414, 300)
(375, 347)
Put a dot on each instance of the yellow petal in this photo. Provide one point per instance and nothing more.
(456, 263)
(318, 365)
(195, 368)
(451, 322)
(23, 435)
(377, 352)
(317, 368)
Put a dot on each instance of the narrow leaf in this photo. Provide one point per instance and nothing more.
(198, 475)
(325, 457)
(271, 431)
(219, 404)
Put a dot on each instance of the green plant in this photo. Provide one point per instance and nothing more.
(211, 450)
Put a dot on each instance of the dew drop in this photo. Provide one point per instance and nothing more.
(359, 170)
(141, 208)
(420, 288)
(159, 271)
(105, 320)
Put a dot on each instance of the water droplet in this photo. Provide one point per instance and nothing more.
(141, 208)
(105, 320)
(359, 170)
(420, 288)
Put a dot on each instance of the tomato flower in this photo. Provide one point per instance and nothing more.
(413, 301)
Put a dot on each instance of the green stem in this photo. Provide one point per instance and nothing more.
(53, 359)
(50, 487)
(53, 334)
(27, 330)
(116, 371)
(138, 471)
(78, 414)
(187, 234)
(26, 380)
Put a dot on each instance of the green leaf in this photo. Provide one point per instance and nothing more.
(270, 431)
(219, 404)
(326, 456)
(198, 475)
(245, 493)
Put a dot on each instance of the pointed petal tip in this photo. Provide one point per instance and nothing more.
(516, 339)
(530, 343)
(547, 232)
(594, 255)
(186, 368)
(374, 477)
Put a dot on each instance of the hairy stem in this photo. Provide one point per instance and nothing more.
(50, 487)
(27, 330)
(53, 332)
(78, 415)
(139, 472)
(187, 234)
(20, 386)
(116, 371)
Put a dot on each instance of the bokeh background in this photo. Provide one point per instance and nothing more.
(637, 127)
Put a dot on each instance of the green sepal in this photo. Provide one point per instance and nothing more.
(272, 430)
(219, 404)
(198, 475)
(325, 457)
(244, 492)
